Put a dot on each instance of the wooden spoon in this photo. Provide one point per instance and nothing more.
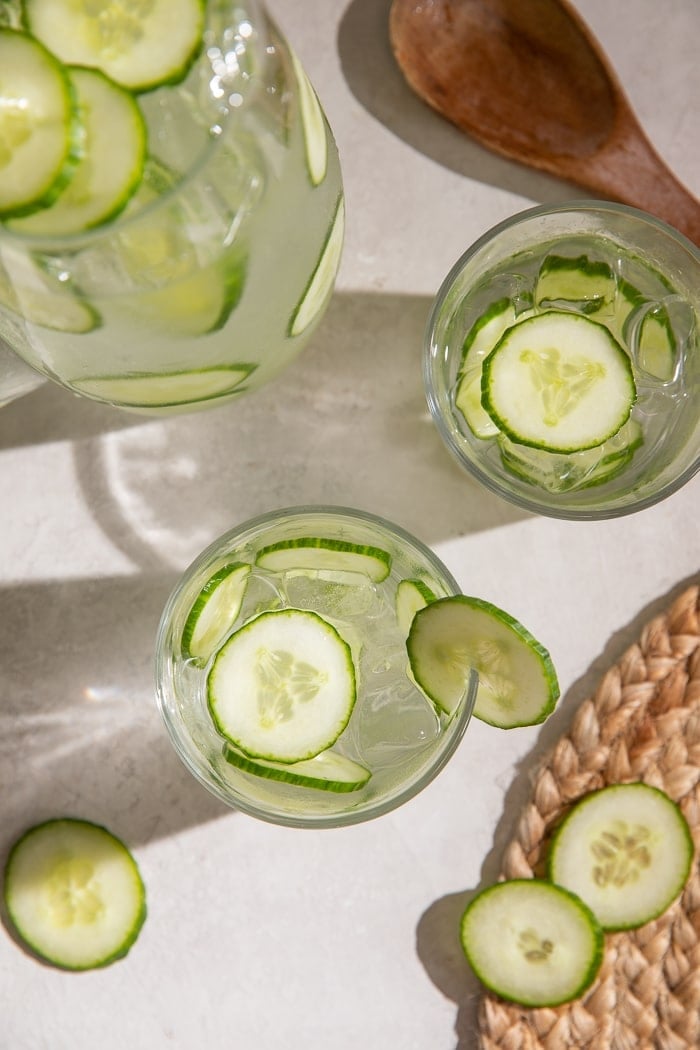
(530, 81)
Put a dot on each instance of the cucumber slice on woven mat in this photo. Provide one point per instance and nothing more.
(282, 687)
(532, 942)
(626, 850)
(451, 636)
(111, 166)
(318, 554)
(214, 612)
(139, 45)
(558, 381)
(74, 894)
(40, 132)
(327, 771)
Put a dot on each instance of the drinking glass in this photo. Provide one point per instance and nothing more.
(215, 274)
(616, 266)
(394, 733)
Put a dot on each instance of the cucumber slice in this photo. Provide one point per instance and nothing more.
(577, 283)
(626, 850)
(40, 134)
(451, 636)
(316, 554)
(74, 894)
(214, 612)
(411, 595)
(656, 345)
(313, 126)
(194, 305)
(558, 381)
(327, 771)
(565, 472)
(531, 942)
(282, 687)
(36, 295)
(139, 45)
(161, 390)
(111, 166)
(318, 290)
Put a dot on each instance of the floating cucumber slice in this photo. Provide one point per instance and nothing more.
(111, 166)
(139, 45)
(411, 595)
(74, 894)
(313, 126)
(451, 636)
(194, 305)
(327, 771)
(318, 290)
(558, 381)
(565, 472)
(160, 390)
(579, 282)
(40, 134)
(316, 554)
(626, 850)
(532, 942)
(282, 687)
(653, 341)
(215, 610)
(37, 296)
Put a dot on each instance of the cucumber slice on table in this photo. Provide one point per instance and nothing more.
(214, 612)
(451, 636)
(318, 290)
(160, 390)
(40, 134)
(532, 942)
(74, 894)
(112, 163)
(140, 45)
(558, 381)
(626, 850)
(313, 126)
(316, 554)
(582, 283)
(327, 771)
(411, 595)
(282, 687)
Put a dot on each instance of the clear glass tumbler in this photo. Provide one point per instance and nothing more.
(215, 274)
(364, 577)
(617, 267)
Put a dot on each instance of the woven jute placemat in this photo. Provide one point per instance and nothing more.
(642, 724)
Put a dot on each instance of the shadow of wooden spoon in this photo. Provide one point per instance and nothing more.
(530, 81)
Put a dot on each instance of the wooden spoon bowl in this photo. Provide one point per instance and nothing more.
(530, 81)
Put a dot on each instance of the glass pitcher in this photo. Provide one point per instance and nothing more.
(217, 269)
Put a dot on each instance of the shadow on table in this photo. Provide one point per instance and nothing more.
(378, 84)
(437, 936)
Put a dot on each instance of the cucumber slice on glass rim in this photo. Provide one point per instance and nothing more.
(282, 687)
(313, 126)
(317, 554)
(214, 612)
(141, 46)
(327, 771)
(111, 166)
(532, 942)
(144, 390)
(318, 290)
(411, 595)
(40, 132)
(74, 894)
(626, 850)
(558, 381)
(452, 636)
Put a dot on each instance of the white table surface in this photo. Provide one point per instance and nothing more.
(265, 938)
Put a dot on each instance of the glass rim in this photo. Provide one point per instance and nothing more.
(430, 348)
(447, 745)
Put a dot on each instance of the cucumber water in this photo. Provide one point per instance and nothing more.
(301, 708)
(215, 253)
